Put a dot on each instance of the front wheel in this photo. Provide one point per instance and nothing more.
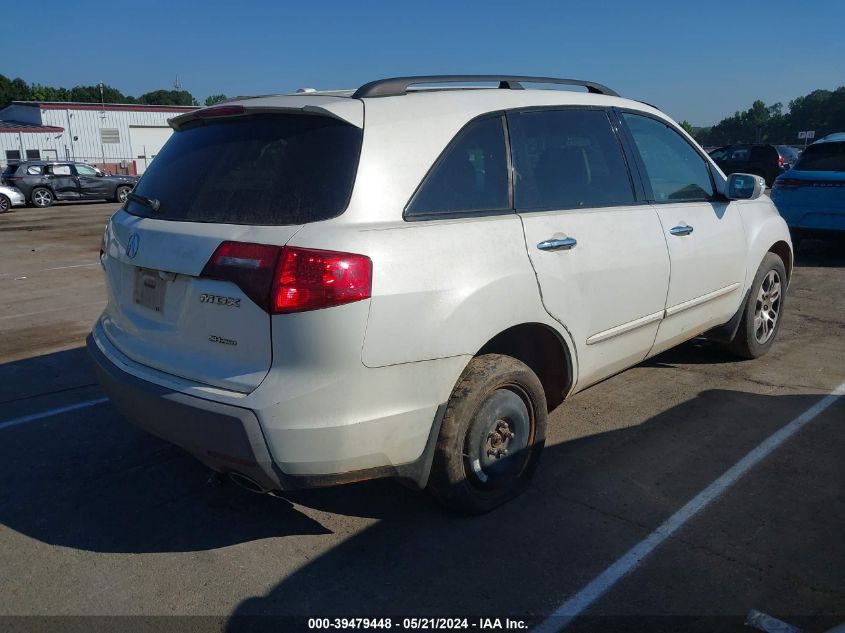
(42, 197)
(491, 436)
(5, 204)
(763, 310)
(121, 194)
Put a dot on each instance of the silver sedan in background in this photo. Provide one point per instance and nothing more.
(10, 197)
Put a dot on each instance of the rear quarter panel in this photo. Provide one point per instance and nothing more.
(440, 288)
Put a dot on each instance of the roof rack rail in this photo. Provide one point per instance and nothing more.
(396, 86)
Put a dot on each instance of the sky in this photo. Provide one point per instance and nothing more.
(699, 61)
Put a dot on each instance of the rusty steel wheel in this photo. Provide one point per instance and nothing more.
(491, 436)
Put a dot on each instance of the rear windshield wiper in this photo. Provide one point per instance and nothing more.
(152, 203)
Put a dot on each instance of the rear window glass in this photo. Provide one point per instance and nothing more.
(764, 152)
(471, 176)
(10, 170)
(822, 157)
(258, 169)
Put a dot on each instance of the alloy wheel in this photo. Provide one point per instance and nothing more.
(767, 308)
(42, 198)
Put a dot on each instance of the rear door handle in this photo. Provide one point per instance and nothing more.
(683, 229)
(554, 244)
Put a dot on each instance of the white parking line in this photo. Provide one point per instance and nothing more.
(577, 604)
(44, 270)
(46, 414)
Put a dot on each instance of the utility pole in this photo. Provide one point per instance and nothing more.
(102, 120)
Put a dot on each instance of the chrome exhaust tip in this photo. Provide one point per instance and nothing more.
(247, 482)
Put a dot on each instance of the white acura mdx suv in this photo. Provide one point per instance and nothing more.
(401, 281)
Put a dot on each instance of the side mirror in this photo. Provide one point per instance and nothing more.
(744, 187)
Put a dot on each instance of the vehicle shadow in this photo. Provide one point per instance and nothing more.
(89, 480)
(593, 498)
(698, 351)
(821, 253)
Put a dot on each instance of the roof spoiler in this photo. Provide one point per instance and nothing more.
(340, 109)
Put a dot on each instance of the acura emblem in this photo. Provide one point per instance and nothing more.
(132, 245)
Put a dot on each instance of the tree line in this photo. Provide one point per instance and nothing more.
(822, 111)
(19, 90)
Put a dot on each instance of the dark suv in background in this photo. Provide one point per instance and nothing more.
(768, 161)
(44, 182)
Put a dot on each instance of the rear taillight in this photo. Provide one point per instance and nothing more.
(781, 161)
(103, 242)
(308, 279)
(249, 266)
(290, 279)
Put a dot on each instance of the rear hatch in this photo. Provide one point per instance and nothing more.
(188, 278)
(816, 184)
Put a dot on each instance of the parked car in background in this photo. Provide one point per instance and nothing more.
(298, 300)
(836, 136)
(811, 195)
(10, 197)
(768, 161)
(44, 182)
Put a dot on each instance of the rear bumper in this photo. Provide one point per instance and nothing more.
(231, 439)
(16, 197)
(812, 216)
(224, 437)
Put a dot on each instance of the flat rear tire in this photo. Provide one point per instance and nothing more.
(492, 436)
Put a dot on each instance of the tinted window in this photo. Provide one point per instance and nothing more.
(471, 175)
(10, 170)
(259, 169)
(822, 157)
(674, 169)
(740, 153)
(764, 153)
(567, 159)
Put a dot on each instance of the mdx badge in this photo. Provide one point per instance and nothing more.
(220, 300)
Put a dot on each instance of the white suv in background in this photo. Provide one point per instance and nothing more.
(325, 287)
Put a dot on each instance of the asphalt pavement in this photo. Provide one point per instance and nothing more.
(98, 519)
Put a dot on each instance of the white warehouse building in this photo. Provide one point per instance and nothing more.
(121, 138)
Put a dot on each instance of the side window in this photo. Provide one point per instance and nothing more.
(719, 154)
(674, 169)
(34, 170)
(567, 159)
(59, 170)
(470, 175)
(85, 170)
(741, 153)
